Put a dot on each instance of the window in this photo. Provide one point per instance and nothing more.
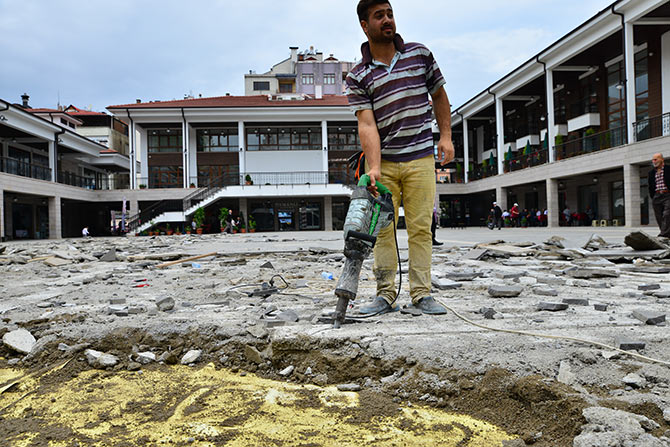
(343, 138)
(283, 138)
(616, 112)
(308, 79)
(63, 121)
(218, 175)
(217, 140)
(165, 140)
(285, 87)
(329, 79)
(71, 125)
(260, 86)
(642, 85)
(166, 177)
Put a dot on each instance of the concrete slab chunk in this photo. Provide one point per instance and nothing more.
(545, 291)
(576, 301)
(110, 256)
(630, 345)
(191, 356)
(552, 307)
(19, 340)
(639, 240)
(475, 254)
(505, 291)
(600, 307)
(57, 262)
(647, 287)
(649, 317)
(445, 284)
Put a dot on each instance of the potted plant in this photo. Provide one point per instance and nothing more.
(223, 217)
(192, 185)
(151, 227)
(247, 180)
(168, 230)
(252, 224)
(242, 224)
(199, 219)
(143, 186)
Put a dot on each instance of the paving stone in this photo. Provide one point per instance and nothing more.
(600, 307)
(647, 287)
(290, 316)
(553, 280)
(545, 291)
(117, 301)
(274, 323)
(508, 275)
(664, 294)
(576, 301)
(505, 291)
(110, 256)
(253, 355)
(444, 283)
(639, 240)
(552, 307)
(630, 345)
(57, 262)
(165, 304)
(287, 371)
(146, 357)
(634, 380)
(99, 359)
(19, 340)
(349, 387)
(592, 272)
(475, 254)
(649, 317)
(462, 276)
(191, 356)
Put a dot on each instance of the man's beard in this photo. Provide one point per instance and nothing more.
(382, 38)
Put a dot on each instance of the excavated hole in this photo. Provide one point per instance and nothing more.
(542, 412)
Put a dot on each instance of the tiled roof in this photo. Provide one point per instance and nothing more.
(76, 111)
(45, 111)
(240, 101)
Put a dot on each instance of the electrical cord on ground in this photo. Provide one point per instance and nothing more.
(397, 249)
(556, 337)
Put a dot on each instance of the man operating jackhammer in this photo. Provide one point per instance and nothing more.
(388, 90)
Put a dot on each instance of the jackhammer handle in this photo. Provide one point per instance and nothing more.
(365, 181)
(362, 236)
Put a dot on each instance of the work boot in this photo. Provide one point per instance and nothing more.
(378, 306)
(436, 243)
(429, 306)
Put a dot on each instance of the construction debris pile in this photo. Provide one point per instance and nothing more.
(134, 303)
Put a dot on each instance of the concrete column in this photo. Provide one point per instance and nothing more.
(665, 71)
(324, 144)
(193, 156)
(55, 228)
(500, 131)
(552, 203)
(244, 209)
(142, 155)
(629, 61)
(134, 206)
(328, 213)
(53, 160)
(466, 150)
(551, 121)
(501, 197)
(243, 150)
(9, 223)
(132, 143)
(631, 194)
(2, 215)
(185, 153)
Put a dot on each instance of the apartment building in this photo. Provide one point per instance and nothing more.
(574, 127)
(302, 73)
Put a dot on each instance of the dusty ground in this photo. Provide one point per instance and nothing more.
(547, 392)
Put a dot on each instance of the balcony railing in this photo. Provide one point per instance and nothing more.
(592, 143)
(480, 172)
(535, 157)
(287, 178)
(94, 183)
(17, 167)
(657, 126)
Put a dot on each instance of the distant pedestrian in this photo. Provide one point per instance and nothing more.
(498, 216)
(567, 215)
(85, 233)
(515, 215)
(433, 227)
(659, 184)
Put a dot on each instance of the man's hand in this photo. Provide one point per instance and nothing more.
(374, 174)
(445, 151)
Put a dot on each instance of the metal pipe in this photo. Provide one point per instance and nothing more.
(131, 144)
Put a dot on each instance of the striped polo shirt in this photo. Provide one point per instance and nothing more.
(398, 96)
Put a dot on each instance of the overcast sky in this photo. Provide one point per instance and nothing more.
(94, 53)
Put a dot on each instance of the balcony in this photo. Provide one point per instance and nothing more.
(17, 167)
(657, 126)
(592, 143)
(532, 139)
(584, 114)
(101, 182)
(520, 161)
(483, 171)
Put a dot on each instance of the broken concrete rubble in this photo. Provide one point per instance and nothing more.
(19, 340)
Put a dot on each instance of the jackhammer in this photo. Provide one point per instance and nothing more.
(367, 216)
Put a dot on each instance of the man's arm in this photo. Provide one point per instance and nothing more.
(371, 143)
(442, 108)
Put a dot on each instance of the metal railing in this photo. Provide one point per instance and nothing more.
(145, 215)
(287, 178)
(106, 183)
(535, 157)
(592, 143)
(209, 189)
(480, 171)
(17, 167)
(656, 126)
